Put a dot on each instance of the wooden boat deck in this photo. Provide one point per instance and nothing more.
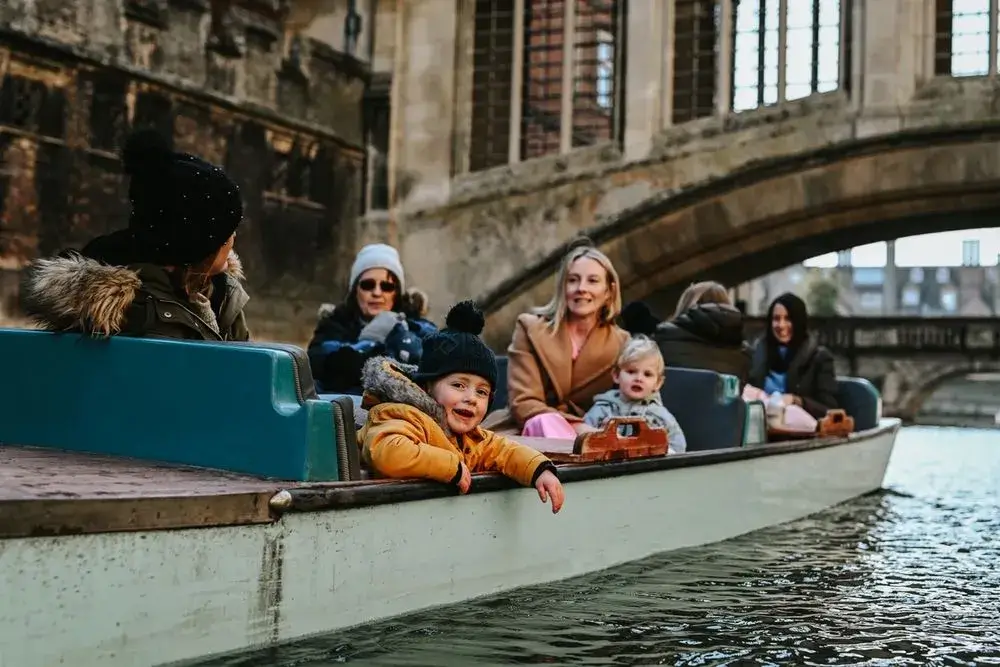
(49, 492)
(43, 474)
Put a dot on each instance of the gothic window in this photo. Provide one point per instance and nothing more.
(963, 37)
(32, 106)
(108, 114)
(541, 114)
(696, 31)
(293, 172)
(812, 51)
(605, 69)
(596, 71)
(492, 72)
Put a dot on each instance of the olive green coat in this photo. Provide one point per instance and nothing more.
(75, 293)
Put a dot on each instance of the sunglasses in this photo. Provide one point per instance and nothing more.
(368, 285)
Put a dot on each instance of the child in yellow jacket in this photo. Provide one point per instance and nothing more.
(424, 421)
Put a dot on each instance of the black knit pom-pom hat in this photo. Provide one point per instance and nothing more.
(458, 348)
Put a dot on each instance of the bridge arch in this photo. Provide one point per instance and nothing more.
(909, 404)
(772, 213)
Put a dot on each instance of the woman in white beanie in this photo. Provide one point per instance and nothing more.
(368, 323)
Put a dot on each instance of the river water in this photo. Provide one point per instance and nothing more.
(908, 576)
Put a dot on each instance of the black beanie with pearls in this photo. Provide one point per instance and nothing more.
(183, 209)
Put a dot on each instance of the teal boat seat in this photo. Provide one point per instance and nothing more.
(755, 428)
(346, 431)
(860, 399)
(707, 405)
(242, 407)
(353, 417)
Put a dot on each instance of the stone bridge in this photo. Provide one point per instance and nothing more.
(902, 148)
(907, 357)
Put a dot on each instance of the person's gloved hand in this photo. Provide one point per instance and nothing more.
(378, 329)
(403, 345)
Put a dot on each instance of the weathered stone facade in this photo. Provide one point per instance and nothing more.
(284, 117)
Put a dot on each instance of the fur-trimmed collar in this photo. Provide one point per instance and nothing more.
(386, 381)
(75, 293)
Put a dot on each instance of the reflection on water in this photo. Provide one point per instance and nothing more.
(908, 576)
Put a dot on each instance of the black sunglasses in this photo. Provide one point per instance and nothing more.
(368, 285)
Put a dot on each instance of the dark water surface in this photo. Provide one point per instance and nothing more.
(909, 576)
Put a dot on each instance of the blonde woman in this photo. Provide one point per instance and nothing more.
(562, 354)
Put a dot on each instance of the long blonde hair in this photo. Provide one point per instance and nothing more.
(706, 291)
(555, 310)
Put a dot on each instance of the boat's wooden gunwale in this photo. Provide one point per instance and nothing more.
(318, 497)
(45, 518)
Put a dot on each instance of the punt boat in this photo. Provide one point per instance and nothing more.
(162, 501)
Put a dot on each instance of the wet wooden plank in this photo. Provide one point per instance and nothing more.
(48, 492)
(30, 473)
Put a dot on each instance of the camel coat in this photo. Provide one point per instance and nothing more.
(542, 375)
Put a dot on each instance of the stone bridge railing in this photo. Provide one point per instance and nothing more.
(907, 358)
(852, 337)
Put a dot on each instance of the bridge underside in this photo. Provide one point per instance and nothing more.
(768, 216)
(782, 254)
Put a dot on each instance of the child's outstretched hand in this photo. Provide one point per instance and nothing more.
(464, 479)
(549, 486)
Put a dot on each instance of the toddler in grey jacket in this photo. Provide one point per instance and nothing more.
(639, 374)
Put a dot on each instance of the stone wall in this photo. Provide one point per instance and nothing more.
(283, 117)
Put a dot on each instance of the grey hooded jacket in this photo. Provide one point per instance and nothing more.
(613, 404)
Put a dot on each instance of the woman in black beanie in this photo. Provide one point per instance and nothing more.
(171, 273)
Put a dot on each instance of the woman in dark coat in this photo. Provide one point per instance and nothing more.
(705, 331)
(787, 360)
(171, 273)
(372, 321)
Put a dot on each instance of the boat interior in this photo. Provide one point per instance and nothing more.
(172, 423)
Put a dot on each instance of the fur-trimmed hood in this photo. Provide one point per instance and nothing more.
(387, 381)
(72, 292)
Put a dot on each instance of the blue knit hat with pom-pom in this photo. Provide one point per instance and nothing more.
(458, 348)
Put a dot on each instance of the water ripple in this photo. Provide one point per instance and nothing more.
(907, 576)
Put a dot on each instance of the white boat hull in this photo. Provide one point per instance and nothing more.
(143, 598)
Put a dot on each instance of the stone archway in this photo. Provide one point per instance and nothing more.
(913, 399)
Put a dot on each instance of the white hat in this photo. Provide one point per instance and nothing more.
(378, 256)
